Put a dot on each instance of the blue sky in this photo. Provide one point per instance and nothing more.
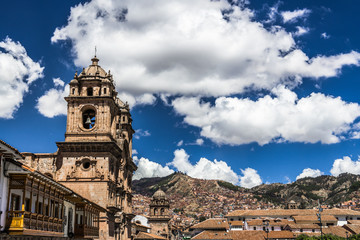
(248, 92)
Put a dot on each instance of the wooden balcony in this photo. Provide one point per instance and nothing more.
(83, 230)
(22, 222)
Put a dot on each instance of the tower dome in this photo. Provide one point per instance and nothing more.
(94, 69)
(159, 194)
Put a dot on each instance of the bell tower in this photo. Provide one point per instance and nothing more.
(159, 214)
(95, 159)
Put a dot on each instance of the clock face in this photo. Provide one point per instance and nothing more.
(89, 118)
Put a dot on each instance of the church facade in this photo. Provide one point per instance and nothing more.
(95, 160)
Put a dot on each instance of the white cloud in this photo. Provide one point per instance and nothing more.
(293, 16)
(180, 143)
(199, 141)
(187, 48)
(301, 31)
(58, 82)
(287, 179)
(141, 133)
(143, 99)
(134, 152)
(284, 117)
(52, 103)
(250, 178)
(204, 168)
(345, 165)
(17, 72)
(308, 172)
(147, 168)
(324, 35)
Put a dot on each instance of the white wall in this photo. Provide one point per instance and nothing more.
(4, 188)
(67, 206)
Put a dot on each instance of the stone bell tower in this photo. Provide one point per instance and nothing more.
(159, 214)
(95, 159)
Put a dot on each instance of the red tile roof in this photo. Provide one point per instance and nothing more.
(212, 223)
(293, 212)
(144, 235)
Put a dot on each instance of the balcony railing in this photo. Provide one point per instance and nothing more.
(22, 220)
(85, 230)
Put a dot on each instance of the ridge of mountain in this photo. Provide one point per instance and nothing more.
(214, 197)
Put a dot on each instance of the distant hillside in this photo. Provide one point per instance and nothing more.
(199, 194)
(181, 185)
(307, 191)
(193, 196)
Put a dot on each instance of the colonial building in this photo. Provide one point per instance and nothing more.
(95, 159)
(36, 205)
(159, 214)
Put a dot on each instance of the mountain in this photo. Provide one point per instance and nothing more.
(329, 190)
(191, 196)
(199, 197)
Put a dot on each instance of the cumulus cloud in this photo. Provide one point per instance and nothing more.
(180, 143)
(190, 48)
(141, 133)
(52, 103)
(308, 172)
(283, 117)
(199, 141)
(204, 168)
(301, 31)
(345, 165)
(293, 16)
(147, 168)
(17, 72)
(144, 99)
(324, 35)
(250, 178)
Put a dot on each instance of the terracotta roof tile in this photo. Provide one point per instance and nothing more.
(144, 235)
(303, 226)
(353, 227)
(212, 223)
(314, 218)
(356, 222)
(213, 235)
(336, 230)
(281, 234)
(232, 235)
(246, 235)
(292, 212)
(236, 223)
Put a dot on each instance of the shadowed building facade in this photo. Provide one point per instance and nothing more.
(95, 159)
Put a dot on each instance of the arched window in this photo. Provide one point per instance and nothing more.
(162, 211)
(73, 91)
(155, 211)
(104, 90)
(89, 119)
(89, 91)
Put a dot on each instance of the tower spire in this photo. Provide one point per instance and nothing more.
(95, 60)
